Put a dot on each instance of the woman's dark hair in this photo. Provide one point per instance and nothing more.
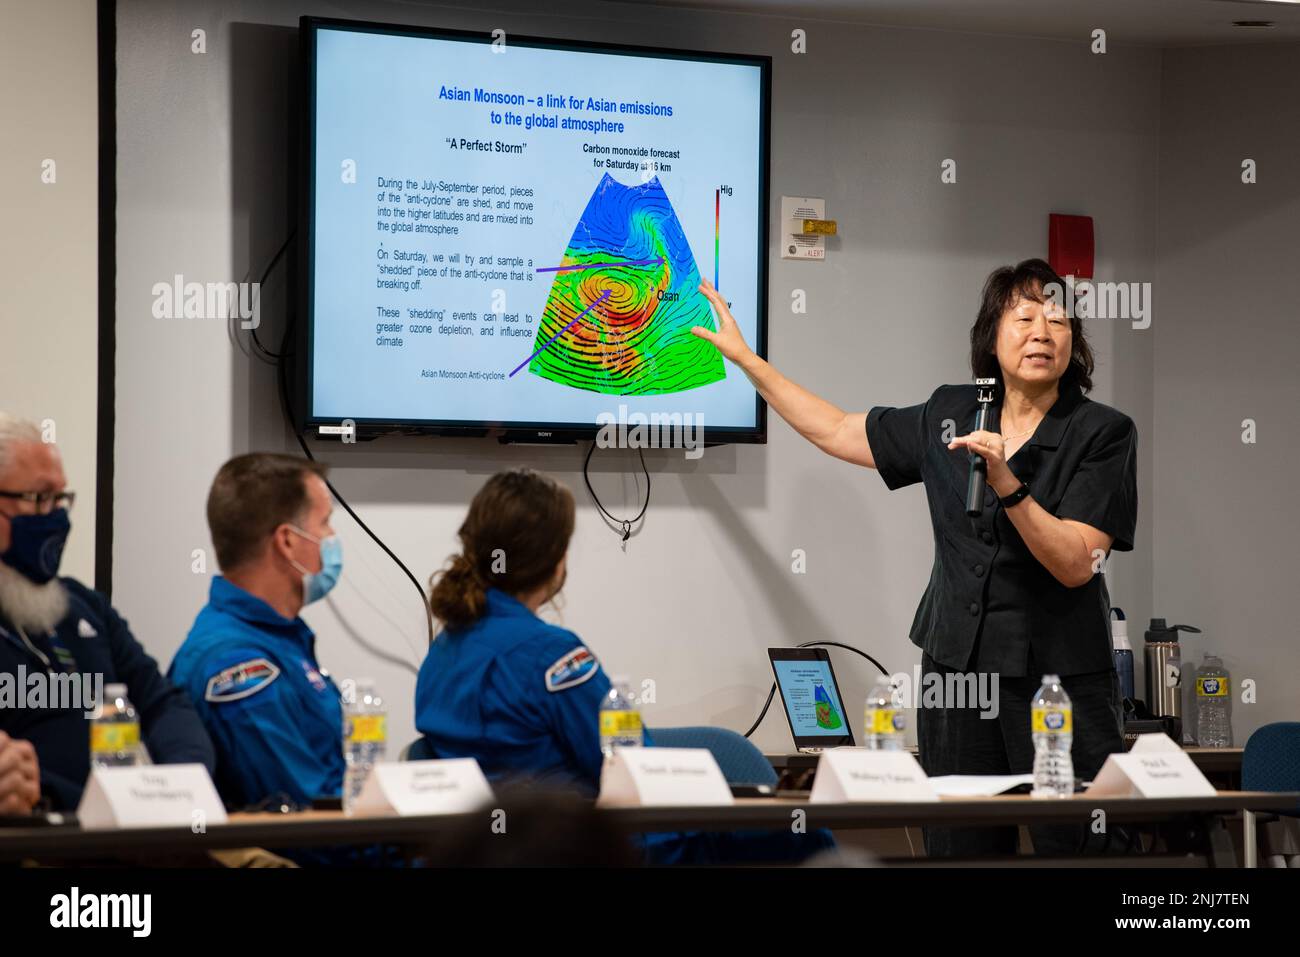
(517, 530)
(1031, 279)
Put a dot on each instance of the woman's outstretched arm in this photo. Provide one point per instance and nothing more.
(834, 431)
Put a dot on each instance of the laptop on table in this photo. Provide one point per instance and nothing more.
(811, 697)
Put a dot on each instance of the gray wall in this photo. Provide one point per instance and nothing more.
(864, 119)
(1225, 521)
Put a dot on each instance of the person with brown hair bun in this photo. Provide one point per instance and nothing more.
(501, 685)
(522, 696)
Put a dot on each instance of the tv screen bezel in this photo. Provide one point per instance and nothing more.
(364, 428)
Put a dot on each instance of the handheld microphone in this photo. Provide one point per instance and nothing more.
(979, 468)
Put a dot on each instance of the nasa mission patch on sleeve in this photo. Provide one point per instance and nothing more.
(573, 669)
(241, 680)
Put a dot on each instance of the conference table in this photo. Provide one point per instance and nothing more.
(1221, 767)
(1203, 839)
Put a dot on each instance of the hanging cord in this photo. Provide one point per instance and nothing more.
(260, 351)
(624, 523)
(288, 412)
(262, 282)
(809, 644)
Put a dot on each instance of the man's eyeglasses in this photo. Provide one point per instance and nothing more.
(44, 501)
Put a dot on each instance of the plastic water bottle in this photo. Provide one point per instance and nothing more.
(620, 719)
(365, 738)
(884, 723)
(1213, 704)
(115, 734)
(1052, 723)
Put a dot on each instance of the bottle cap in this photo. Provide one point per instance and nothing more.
(115, 690)
(1051, 679)
(1160, 631)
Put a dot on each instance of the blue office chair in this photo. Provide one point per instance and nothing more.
(1271, 759)
(1271, 762)
(741, 762)
(418, 750)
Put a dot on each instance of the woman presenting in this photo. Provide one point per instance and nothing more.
(1016, 593)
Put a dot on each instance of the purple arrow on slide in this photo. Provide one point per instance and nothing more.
(634, 262)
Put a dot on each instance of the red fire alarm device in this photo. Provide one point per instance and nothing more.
(1069, 245)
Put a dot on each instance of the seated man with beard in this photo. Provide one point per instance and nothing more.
(51, 627)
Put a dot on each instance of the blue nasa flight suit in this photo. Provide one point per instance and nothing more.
(93, 639)
(519, 695)
(522, 697)
(274, 715)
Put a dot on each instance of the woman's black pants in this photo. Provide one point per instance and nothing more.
(959, 740)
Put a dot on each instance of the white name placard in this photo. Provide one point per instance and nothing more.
(1155, 767)
(645, 777)
(857, 774)
(159, 795)
(411, 788)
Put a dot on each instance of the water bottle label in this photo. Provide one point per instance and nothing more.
(1052, 720)
(1212, 687)
(112, 738)
(618, 724)
(367, 729)
(886, 721)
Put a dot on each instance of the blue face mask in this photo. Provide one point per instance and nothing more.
(316, 585)
(36, 544)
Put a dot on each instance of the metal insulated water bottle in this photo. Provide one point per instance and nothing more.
(1164, 664)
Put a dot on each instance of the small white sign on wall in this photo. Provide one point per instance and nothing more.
(795, 243)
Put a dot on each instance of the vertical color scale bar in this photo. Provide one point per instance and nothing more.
(717, 222)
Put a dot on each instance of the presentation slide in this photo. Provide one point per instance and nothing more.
(508, 234)
(808, 691)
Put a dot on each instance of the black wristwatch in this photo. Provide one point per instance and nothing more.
(1016, 497)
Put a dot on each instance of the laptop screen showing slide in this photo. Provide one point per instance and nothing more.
(811, 697)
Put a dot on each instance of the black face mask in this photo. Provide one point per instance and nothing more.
(36, 544)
